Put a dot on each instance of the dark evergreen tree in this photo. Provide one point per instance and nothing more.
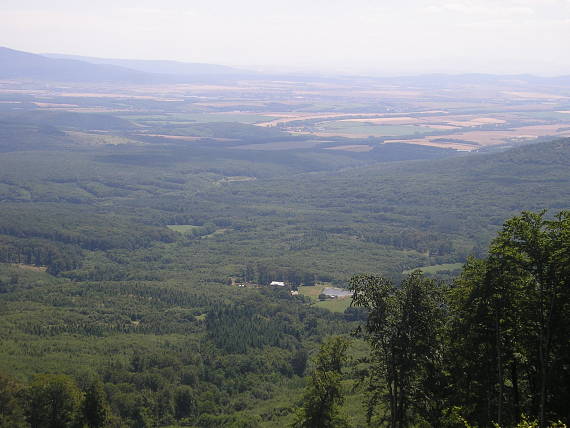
(95, 407)
(299, 362)
(184, 402)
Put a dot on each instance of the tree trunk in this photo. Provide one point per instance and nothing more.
(393, 405)
(499, 372)
(516, 393)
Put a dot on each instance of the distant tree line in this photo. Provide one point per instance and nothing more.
(410, 239)
(56, 257)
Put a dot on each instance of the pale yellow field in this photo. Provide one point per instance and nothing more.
(534, 95)
(444, 145)
(55, 105)
(488, 138)
(292, 117)
(434, 122)
(468, 122)
(30, 267)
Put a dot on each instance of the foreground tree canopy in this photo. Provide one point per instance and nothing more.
(324, 394)
(494, 347)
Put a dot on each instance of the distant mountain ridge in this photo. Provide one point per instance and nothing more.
(157, 66)
(74, 68)
(68, 68)
(24, 65)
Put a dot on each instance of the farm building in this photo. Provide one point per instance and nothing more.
(336, 292)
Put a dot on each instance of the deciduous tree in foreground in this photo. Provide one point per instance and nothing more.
(492, 348)
(324, 395)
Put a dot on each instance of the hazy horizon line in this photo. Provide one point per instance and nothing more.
(330, 70)
(307, 70)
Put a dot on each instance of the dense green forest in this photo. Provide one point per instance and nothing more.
(491, 347)
(119, 265)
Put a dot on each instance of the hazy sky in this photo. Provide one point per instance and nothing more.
(374, 36)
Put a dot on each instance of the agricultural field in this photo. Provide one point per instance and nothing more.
(318, 115)
(339, 304)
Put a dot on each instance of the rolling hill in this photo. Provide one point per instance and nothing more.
(158, 67)
(28, 66)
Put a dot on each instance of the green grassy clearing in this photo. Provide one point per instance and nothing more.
(312, 291)
(182, 228)
(436, 268)
(216, 233)
(335, 305)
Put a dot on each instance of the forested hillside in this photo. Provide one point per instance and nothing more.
(122, 258)
(488, 349)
